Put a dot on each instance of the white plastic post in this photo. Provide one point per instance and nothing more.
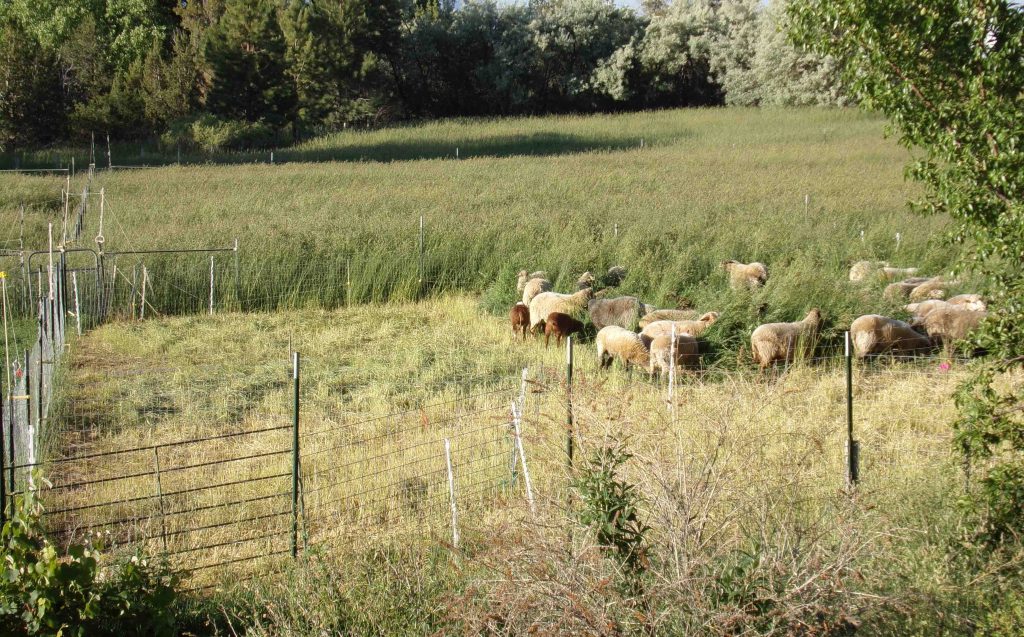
(672, 369)
(211, 285)
(142, 304)
(451, 493)
(899, 238)
(517, 416)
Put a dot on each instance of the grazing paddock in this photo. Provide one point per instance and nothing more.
(382, 386)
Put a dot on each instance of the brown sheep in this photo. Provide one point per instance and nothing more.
(519, 316)
(745, 275)
(784, 341)
(560, 325)
(874, 334)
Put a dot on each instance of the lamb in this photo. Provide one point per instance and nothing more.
(624, 311)
(534, 287)
(560, 325)
(687, 353)
(874, 334)
(542, 305)
(745, 275)
(524, 278)
(688, 328)
(863, 270)
(519, 316)
(618, 342)
(972, 302)
(667, 315)
(950, 323)
(783, 341)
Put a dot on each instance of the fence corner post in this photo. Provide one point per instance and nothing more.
(295, 456)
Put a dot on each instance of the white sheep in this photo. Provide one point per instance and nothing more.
(687, 353)
(921, 309)
(875, 334)
(690, 328)
(523, 277)
(973, 302)
(534, 287)
(618, 342)
(934, 288)
(784, 341)
(864, 270)
(668, 315)
(545, 303)
(902, 289)
(951, 323)
(745, 275)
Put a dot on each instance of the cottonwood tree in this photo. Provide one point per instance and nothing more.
(949, 74)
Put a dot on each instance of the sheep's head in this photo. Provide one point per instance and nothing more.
(709, 317)
(730, 264)
(586, 293)
(586, 280)
(813, 317)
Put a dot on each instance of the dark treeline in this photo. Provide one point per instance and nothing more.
(217, 74)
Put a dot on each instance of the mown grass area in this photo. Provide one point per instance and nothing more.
(743, 481)
(707, 185)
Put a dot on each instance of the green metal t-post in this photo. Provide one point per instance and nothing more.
(295, 457)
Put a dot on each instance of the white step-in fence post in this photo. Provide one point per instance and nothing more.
(451, 492)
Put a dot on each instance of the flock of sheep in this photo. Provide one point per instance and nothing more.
(641, 335)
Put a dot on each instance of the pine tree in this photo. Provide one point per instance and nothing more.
(246, 52)
(32, 108)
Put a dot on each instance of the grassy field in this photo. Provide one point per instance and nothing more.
(792, 188)
(183, 423)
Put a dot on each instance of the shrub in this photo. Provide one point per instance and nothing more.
(80, 591)
(210, 134)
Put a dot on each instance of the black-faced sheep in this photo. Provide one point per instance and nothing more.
(946, 325)
(667, 315)
(624, 311)
(745, 275)
(547, 302)
(687, 353)
(690, 328)
(875, 334)
(617, 342)
(784, 341)
(560, 325)
(519, 317)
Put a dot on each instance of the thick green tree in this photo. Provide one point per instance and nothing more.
(949, 74)
(32, 109)
(246, 53)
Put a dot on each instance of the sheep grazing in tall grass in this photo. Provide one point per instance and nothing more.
(774, 342)
(900, 291)
(615, 276)
(950, 323)
(866, 270)
(921, 309)
(973, 302)
(614, 342)
(687, 353)
(689, 328)
(560, 325)
(667, 315)
(875, 334)
(545, 303)
(535, 286)
(524, 277)
(624, 311)
(519, 317)
(934, 288)
(745, 276)
(586, 280)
